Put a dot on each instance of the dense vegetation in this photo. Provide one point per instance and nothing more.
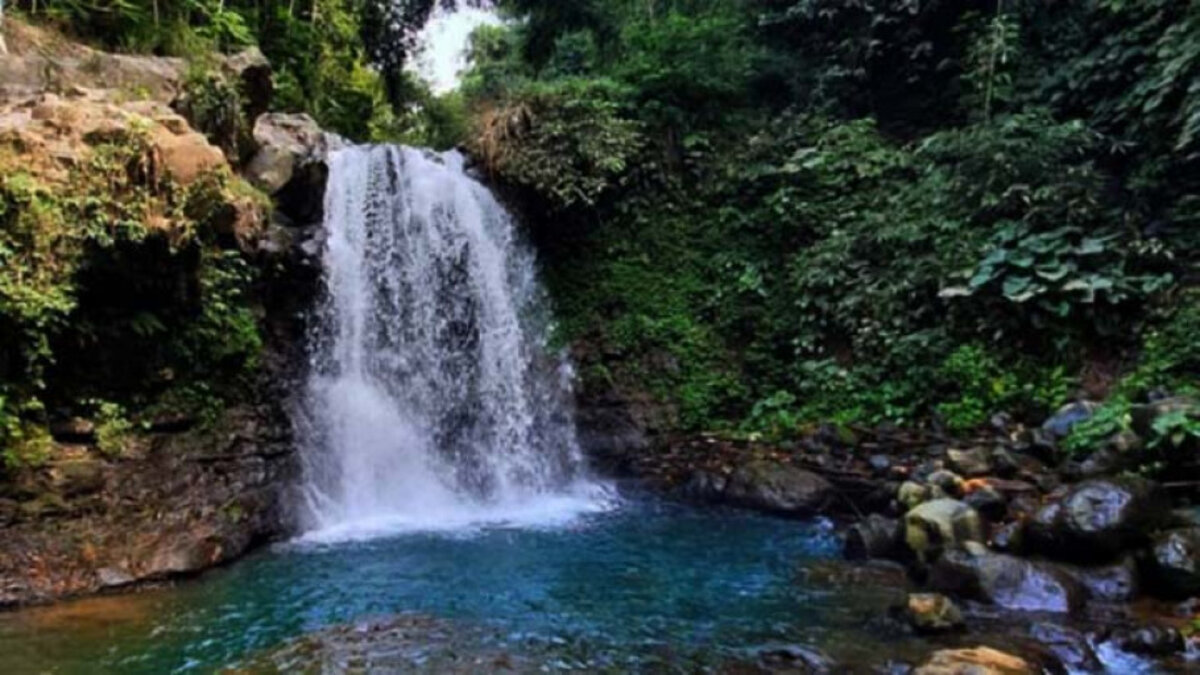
(760, 213)
(118, 291)
(776, 212)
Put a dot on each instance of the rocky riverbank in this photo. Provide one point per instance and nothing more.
(1079, 551)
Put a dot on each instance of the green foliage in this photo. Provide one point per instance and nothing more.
(214, 106)
(113, 428)
(1170, 353)
(1175, 430)
(1112, 418)
(567, 142)
(985, 387)
(858, 212)
(113, 281)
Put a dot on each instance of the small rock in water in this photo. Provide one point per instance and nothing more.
(933, 613)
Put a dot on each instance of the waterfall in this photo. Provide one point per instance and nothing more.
(434, 399)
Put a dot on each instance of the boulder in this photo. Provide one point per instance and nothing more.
(1099, 519)
(975, 661)
(291, 164)
(779, 488)
(933, 613)
(941, 525)
(1061, 423)
(1006, 581)
(875, 536)
(1174, 563)
(970, 463)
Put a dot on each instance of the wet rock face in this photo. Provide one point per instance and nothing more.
(1174, 563)
(1099, 519)
(778, 488)
(1007, 581)
(186, 502)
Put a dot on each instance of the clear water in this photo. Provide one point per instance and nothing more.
(620, 582)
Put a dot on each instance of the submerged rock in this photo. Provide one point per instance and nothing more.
(940, 525)
(1006, 581)
(975, 661)
(779, 488)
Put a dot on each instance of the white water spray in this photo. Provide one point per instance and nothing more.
(434, 400)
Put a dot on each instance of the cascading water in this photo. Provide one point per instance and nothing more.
(434, 400)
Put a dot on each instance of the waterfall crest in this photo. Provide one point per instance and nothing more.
(434, 399)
